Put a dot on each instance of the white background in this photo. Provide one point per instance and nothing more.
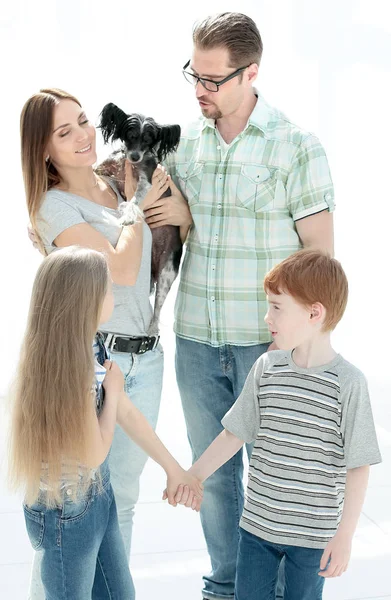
(327, 65)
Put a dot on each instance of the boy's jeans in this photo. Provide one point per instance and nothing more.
(143, 384)
(210, 380)
(257, 569)
(83, 555)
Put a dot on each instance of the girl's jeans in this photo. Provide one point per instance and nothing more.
(83, 555)
(143, 384)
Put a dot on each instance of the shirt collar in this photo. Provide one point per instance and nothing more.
(259, 117)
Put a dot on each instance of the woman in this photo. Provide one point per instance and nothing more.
(69, 204)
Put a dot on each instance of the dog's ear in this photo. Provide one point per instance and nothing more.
(111, 122)
(169, 140)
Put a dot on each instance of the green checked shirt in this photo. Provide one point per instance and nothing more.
(244, 199)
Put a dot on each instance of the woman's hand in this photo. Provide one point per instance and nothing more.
(114, 379)
(160, 183)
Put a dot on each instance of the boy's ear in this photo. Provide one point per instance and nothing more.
(318, 312)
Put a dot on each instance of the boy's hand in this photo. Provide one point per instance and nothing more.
(183, 488)
(336, 556)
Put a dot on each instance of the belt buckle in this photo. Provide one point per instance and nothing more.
(110, 341)
(157, 338)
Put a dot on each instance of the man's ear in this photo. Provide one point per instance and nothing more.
(252, 73)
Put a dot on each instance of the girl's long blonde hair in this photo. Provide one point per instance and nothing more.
(52, 396)
(36, 128)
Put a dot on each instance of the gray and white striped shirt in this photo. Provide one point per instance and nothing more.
(309, 426)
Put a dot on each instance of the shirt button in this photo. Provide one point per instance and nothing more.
(219, 206)
(213, 267)
(69, 492)
(327, 196)
(218, 147)
(212, 298)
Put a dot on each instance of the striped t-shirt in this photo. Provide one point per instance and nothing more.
(309, 426)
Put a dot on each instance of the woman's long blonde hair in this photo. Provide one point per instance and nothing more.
(36, 128)
(52, 399)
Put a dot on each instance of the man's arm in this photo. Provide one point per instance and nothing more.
(317, 231)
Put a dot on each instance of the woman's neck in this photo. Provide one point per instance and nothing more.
(81, 180)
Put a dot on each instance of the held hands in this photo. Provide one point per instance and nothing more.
(336, 555)
(114, 379)
(183, 488)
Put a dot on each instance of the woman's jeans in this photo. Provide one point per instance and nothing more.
(83, 555)
(143, 384)
(258, 564)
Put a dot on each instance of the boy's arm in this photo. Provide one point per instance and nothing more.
(217, 454)
(337, 552)
(136, 426)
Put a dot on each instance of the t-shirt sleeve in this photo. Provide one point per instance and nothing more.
(357, 425)
(309, 186)
(55, 216)
(243, 418)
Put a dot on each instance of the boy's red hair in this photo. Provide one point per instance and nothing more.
(310, 276)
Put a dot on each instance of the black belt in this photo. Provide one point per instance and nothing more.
(133, 345)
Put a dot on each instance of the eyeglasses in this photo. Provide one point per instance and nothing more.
(209, 84)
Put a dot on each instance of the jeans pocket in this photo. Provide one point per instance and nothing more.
(75, 506)
(35, 525)
(190, 178)
(256, 187)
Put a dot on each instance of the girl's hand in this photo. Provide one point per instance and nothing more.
(160, 183)
(130, 181)
(183, 488)
(114, 380)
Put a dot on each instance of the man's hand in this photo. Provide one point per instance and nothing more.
(336, 556)
(173, 210)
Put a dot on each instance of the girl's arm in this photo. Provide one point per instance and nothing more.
(102, 427)
(137, 427)
(337, 552)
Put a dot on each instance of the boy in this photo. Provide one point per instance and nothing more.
(308, 411)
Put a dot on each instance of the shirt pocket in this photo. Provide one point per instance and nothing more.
(190, 180)
(256, 187)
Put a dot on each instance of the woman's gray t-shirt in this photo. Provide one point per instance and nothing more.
(59, 211)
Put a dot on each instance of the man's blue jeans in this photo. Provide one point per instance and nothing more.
(258, 564)
(210, 380)
(83, 555)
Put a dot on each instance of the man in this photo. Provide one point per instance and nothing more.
(258, 188)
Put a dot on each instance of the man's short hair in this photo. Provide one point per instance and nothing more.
(235, 32)
(311, 276)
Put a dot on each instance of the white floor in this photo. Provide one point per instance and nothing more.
(169, 555)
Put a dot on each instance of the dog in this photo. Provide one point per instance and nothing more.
(145, 143)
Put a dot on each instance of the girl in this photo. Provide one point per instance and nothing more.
(62, 429)
(68, 204)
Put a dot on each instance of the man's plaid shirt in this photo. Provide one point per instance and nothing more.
(244, 199)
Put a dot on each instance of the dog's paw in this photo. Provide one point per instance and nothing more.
(130, 213)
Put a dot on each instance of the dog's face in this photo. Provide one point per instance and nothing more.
(141, 136)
